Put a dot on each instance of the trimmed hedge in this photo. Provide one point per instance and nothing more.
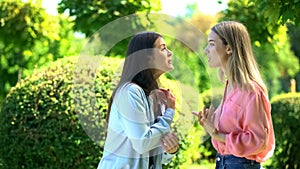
(48, 120)
(286, 122)
(39, 125)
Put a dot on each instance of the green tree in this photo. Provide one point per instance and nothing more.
(294, 34)
(265, 16)
(279, 11)
(247, 12)
(95, 13)
(22, 24)
(91, 15)
(270, 41)
(29, 37)
(51, 49)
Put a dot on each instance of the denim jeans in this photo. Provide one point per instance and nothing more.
(233, 162)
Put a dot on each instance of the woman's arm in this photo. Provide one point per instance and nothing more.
(206, 119)
(136, 125)
(256, 125)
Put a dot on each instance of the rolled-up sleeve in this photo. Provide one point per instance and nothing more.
(255, 130)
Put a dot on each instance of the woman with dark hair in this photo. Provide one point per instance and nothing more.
(139, 112)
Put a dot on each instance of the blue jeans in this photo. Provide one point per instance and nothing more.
(233, 162)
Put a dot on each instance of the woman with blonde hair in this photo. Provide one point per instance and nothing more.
(241, 127)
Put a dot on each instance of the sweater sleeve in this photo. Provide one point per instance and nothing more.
(255, 127)
(166, 157)
(133, 108)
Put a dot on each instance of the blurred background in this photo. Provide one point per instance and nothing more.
(38, 35)
(36, 32)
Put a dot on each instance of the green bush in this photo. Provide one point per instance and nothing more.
(286, 122)
(48, 120)
(39, 125)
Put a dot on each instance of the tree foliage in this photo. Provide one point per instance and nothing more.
(21, 25)
(29, 37)
(247, 12)
(91, 15)
(270, 41)
(279, 11)
(294, 34)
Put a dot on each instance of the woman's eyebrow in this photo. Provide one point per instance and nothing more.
(162, 45)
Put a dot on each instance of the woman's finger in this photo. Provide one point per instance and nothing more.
(170, 142)
(195, 113)
(167, 92)
(204, 114)
(211, 113)
(164, 145)
(170, 139)
(199, 116)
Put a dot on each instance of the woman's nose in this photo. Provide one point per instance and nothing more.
(205, 50)
(170, 53)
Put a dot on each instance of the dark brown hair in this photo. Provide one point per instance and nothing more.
(137, 68)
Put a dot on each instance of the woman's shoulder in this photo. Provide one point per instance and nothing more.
(257, 89)
(130, 89)
(259, 93)
(253, 90)
(252, 95)
(130, 93)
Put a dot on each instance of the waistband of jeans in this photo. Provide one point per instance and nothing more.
(235, 159)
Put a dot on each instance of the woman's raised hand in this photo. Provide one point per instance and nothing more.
(170, 98)
(206, 119)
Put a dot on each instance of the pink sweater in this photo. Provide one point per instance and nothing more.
(246, 120)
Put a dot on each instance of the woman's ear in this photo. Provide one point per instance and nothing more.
(228, 50)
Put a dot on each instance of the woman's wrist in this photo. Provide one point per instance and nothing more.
(172, 107)
(218, 136)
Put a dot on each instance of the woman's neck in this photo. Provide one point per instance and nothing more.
(229, 87)
(157, 74)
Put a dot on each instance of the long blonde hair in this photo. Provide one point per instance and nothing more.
(242, 68)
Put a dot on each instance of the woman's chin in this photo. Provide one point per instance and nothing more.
(171, 67)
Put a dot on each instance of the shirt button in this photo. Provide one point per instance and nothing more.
(218, 159)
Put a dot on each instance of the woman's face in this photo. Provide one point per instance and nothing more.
(216, 51)
(162, 55)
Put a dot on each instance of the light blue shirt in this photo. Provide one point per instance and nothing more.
(132, 135)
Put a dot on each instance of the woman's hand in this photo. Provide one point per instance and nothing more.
(170, 143)
(206, 120)
(170, 98)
